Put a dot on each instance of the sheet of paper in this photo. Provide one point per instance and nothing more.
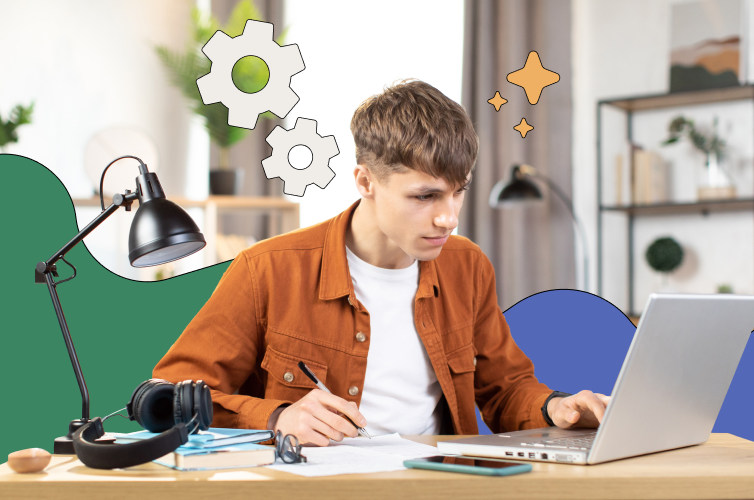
(358, 455)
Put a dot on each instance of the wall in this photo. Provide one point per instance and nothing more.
(353, 51)
(91, 65)
(621, 48)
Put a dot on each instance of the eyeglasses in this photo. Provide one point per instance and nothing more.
(288, 449)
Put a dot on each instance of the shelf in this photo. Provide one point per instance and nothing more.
(618, 258)
(283, 216)
(703, 207)
(241, 202)
(682, 98)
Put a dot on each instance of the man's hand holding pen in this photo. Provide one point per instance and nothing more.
(317, 418)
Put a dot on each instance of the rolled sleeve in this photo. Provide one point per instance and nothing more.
(508, 394)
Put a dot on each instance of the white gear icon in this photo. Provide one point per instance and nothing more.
(256, 40)
(318, 172)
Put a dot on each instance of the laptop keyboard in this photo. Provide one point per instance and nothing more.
(581, 442)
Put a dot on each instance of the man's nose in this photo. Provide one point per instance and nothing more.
(447, 217)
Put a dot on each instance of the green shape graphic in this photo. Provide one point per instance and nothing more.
(120, 327)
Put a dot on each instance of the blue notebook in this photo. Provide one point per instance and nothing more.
(215, 448)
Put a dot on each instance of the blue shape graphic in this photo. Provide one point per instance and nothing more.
(578, 341)
(575, 339)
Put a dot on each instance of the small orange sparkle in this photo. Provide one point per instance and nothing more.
(523, 128)
(497, 101)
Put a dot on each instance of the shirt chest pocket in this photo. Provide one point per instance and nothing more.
(462, 361)
(285, 380)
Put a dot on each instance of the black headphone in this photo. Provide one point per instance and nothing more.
(173, 410)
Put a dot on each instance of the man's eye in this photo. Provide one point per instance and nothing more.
(424, 197)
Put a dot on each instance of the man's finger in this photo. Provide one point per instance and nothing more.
(319, 426)
(335, 422)
(339, 404)
(596, 406)
(605, 399)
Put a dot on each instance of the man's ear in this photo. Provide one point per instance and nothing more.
(364, 181)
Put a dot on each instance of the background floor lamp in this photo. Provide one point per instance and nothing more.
(161, 232)
(522, 188)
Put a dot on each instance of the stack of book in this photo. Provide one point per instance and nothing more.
(216, 448)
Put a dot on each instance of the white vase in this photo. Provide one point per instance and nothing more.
(714, 182)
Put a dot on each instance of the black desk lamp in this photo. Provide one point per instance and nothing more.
(521, 188)
(160, 232)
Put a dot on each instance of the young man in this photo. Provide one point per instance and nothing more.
(398, 318)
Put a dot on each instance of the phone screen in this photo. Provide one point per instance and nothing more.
(470, 462)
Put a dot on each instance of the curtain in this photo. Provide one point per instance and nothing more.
(531, 245)
(248, 153)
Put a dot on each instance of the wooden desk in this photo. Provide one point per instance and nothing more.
(721, 468)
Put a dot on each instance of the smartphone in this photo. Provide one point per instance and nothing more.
(469, 465)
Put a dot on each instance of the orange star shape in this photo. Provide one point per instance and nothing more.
(497, 101)
(523, 128)
(533, 77)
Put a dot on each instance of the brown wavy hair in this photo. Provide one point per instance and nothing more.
(414, 125)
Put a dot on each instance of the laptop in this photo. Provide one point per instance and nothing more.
(668, 393)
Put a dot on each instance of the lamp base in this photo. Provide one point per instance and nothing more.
(64, 444)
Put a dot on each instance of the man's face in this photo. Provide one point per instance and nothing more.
(416, 213)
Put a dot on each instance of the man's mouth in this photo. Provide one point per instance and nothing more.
(436, 240)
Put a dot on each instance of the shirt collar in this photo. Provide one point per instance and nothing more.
(335, 279)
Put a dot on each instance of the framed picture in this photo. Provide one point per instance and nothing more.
(707, 44)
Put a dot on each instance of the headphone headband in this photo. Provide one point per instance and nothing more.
(116, 456)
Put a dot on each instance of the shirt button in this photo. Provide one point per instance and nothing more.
(361, 337)
(288, 377)
(474, 360)
(353, 390)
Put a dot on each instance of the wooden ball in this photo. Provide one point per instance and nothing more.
(29, 460)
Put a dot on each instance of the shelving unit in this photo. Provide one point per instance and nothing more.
(630, 214)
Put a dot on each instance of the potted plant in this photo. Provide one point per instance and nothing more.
(664, 255)
(19, 115)
(714, 182)
(250, 74)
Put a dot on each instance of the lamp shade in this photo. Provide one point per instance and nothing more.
(519, 188)
(162, 232)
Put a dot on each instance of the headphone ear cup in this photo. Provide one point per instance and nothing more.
(152, 404)
(136, 396)
(203, 404)
(183, 402)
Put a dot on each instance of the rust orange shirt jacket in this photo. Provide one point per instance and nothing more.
(290, 298)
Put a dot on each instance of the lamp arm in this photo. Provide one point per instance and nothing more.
(576, 221)
(119, 200)
(44, 273)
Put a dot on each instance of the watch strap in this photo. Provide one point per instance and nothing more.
(555, 394)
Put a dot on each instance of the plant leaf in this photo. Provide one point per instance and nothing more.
(242, 12)
(184, 68)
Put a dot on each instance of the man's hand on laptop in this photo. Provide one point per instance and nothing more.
(584, 409)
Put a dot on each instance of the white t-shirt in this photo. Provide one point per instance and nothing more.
(401, 390)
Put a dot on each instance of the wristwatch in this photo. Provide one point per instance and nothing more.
(555, 394)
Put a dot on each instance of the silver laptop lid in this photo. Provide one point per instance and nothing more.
(675, 375)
